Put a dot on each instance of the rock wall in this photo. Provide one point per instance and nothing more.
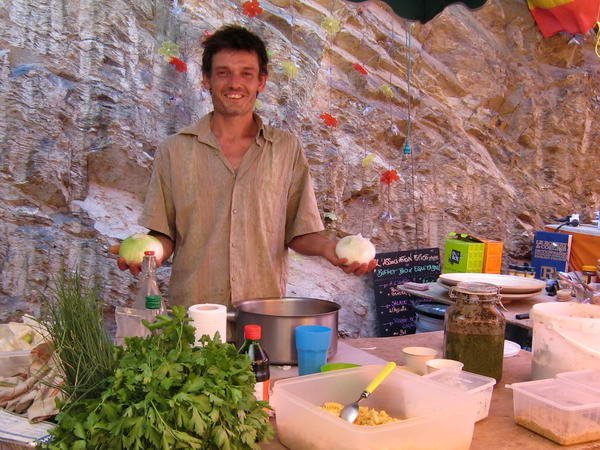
(504, 128)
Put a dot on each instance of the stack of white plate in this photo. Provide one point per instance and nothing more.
(511, 287)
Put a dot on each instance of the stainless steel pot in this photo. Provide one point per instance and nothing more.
(279, 317)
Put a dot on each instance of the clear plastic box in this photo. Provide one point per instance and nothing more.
(561, 411)
(478, 386)
(432, 415)
(588, 378)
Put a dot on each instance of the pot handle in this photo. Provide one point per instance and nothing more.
(232, 315)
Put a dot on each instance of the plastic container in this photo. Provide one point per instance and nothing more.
(560, 411)
(477, 386)
(566, 337)
(586, 378)
(421, 404)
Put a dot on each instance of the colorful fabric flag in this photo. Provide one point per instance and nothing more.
(572, 16)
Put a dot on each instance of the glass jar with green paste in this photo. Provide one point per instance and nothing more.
(474, 329)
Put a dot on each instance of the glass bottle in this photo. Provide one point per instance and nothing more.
(148, 284)
(474, 329)
(259, 360)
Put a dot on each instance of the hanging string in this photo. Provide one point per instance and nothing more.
(409, 131)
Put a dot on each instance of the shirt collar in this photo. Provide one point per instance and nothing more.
(204, 134)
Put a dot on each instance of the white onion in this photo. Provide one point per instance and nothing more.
(132, 249)
(355, 248)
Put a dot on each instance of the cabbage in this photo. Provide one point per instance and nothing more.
(132, 249)
(355, 248)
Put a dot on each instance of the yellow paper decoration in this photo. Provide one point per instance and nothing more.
(368, 160)
(290, 68)
(597, 48)
(387, 90)
(169, 50)
(331, 25)
(258, 104)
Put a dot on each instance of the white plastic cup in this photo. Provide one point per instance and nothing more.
(417, 357)
(448, 364)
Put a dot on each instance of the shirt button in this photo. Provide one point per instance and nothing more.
(233, 245)
(235, 211)
(232, 278)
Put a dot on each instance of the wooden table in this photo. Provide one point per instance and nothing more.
(498, 431)
(439, 294)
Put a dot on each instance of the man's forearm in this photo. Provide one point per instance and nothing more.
(167, 244)
(313, 244)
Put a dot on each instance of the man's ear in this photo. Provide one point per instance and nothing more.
(262, 82)
(206, 82)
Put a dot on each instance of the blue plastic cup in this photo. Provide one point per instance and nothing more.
(312, 343)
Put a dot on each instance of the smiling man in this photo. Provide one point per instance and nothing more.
(230, 194)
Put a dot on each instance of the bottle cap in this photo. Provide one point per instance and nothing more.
(149, 253)
(252, 332)
(153, 301)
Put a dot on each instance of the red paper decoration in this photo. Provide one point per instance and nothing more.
(360, 69)
(252, 8)
(389, 176)
(180, 65)
(329, 120)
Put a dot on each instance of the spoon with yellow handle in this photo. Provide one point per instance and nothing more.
(350, 412)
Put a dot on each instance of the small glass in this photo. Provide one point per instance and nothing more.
(474, 329)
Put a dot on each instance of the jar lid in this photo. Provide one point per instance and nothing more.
(476, 288)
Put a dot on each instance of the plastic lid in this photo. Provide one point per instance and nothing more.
(149, 253)
(153, 301)
(252, 332)
(588, 268)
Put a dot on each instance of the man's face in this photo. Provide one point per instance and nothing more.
(234, 82)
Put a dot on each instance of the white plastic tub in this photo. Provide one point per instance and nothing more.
(566, 336)
(558, 410)
(478, 386)
(433, 415)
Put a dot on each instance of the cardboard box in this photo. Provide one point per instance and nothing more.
(463, 253)
(466, 253)
(492, 256)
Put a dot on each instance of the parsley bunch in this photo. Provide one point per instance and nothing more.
(167, 394)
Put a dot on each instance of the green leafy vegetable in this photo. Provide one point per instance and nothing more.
(167, 394)
(73, 320)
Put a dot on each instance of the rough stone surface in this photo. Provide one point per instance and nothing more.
(504, 129)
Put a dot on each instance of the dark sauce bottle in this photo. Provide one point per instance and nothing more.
(259, 360)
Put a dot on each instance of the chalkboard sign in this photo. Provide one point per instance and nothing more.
(394, 311)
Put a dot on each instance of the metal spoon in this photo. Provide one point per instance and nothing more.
(350, 412)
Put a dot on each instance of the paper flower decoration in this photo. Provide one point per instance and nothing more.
(368, 160)
(360, 69)
(252, 8)
(386, 90)
(169, 50)
(258, 104)
(180, 66)
(329, 120)
(331, 25)
(389, 176)
(290, 68)
(406, 149)
(207, 34)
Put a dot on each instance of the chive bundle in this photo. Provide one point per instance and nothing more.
(73, 319)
